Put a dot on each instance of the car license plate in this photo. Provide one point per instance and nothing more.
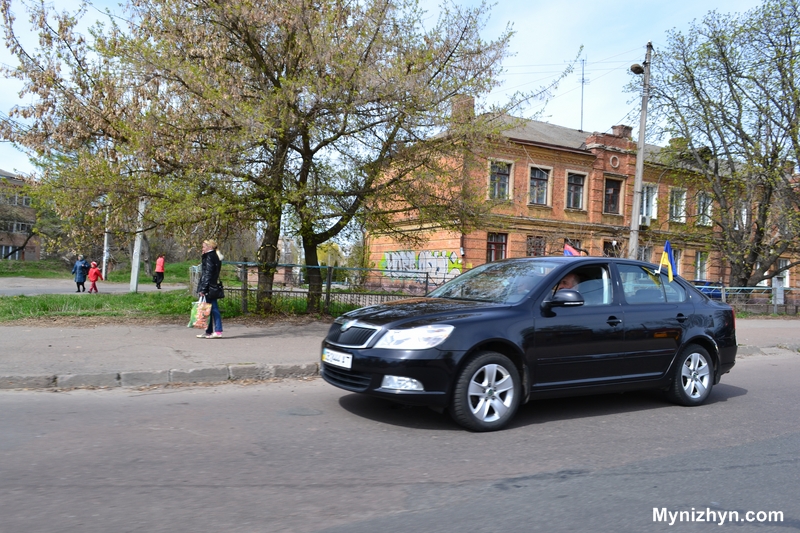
(332, 357)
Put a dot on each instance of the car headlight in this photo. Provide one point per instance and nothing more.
(415, 338)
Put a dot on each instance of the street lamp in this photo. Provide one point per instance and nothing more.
(633, 241)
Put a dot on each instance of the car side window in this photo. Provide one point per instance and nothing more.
(674, 290)
(593, 282)
(641, 285)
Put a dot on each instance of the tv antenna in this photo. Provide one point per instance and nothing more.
(584, 81)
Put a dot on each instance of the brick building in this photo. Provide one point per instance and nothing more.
(558, 186)
(17, 218)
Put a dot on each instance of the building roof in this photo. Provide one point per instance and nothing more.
(544, 133)
(8, 177)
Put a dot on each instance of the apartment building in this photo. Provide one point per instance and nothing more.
(17, 218)
(558, 187)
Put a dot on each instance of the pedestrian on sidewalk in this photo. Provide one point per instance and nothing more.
(210, 287)
(159, 277)
(80, 269)
(94, 275)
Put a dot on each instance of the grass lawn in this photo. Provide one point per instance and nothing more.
(166, 304)
(46, 268)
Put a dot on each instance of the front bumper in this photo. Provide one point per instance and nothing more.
(433, 368)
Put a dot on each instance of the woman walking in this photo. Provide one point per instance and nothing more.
(209, 286)
(80, 269)
(159, 277)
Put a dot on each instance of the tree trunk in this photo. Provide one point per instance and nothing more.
(267, 266)
(314, 276)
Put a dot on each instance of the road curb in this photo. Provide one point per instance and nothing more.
(220, 374)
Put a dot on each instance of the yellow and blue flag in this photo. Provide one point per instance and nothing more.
(668, 260)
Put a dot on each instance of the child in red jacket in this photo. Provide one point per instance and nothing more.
(94, 275)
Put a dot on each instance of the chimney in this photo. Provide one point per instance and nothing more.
(621, 131)
(463, 108)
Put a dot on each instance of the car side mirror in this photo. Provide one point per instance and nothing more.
(563, 298)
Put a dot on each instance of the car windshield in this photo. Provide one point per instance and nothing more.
(501, 282)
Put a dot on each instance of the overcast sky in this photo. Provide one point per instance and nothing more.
(548, 34)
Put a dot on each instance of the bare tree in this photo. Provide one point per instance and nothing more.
(727, 94)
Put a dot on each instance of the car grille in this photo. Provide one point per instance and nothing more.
(354, 337)
(346, 379)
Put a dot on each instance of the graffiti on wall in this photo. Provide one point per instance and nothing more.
(439, 265)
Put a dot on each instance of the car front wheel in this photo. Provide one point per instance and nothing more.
(487, 393)
(693, 378)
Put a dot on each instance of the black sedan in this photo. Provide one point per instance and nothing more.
(510, 331)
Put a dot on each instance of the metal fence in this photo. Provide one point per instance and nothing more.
(343, 288)
(774, 300)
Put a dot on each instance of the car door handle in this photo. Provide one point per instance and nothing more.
(614, 321)
(681, 318)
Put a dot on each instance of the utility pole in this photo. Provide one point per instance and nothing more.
(633, 241)
(137, 248)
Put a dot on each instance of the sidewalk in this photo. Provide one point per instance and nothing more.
(35, 357)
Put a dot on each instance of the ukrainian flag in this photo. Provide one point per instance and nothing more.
(668, 260)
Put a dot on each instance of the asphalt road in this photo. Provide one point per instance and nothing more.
(301, 456)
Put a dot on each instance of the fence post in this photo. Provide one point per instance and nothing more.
(777, 293)
(722, 294)
(328, 288)
(427, 277)
(243, 278)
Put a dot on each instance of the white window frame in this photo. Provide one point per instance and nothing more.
(704, 200)
(549, 187)
(510, 185)
(677, 211)
(649, 204)
(701, 265)
(584, 188)
(786, 281)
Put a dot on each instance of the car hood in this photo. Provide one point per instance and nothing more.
(417, 311)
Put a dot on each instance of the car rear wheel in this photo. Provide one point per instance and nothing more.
(693, 377)
(487, 393)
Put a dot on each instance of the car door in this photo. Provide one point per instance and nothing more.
(581, 345)
(657, 315)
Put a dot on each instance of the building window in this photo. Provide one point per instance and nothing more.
(5, 250)
(539, 183)
(649, 206)
(611, 249)
(782, 264)
(700, 265)
(496, 246)
(611, 203)
(575, 190)
(741, 221)
(677, 205)
(536, 246)
(645, 253)
(704, 209)
(676, 255)
(499, 180)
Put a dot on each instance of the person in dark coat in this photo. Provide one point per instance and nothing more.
(209, 276)
(80, 269)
